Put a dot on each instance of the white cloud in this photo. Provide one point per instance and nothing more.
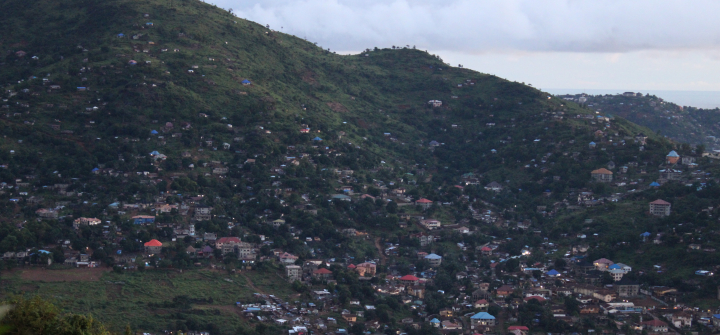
(479, 26)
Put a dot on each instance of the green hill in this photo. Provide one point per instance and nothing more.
(119, 102)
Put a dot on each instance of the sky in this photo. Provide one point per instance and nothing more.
(551, 44)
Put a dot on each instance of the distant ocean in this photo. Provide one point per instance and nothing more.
(699, 99)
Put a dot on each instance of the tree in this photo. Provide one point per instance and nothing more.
(41, 317)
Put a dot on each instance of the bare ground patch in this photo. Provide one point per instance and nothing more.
(336, 106)
(82, 274)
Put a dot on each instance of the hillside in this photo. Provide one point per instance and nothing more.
(129, 121)
(683, 124)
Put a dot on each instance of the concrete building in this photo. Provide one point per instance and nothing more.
(660, 208)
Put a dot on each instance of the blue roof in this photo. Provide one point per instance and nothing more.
(673, 154)
(592, 142)
(434, 320)
(154, 132)
(614, 266)
(483, 316)
(317, 139)
(433, 256)
(717, 316)
(95, 169)
(654, 184)
(154, 153)
(246, 81)
(645, 234)
(121, 35)
(553, 272)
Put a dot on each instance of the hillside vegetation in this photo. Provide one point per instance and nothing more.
(117, 108)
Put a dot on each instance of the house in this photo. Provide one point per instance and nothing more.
(655, 326)
(486, 251)
(416, 291)
(688, 160)
(602, 175)
(627, 288)
(449, 325)
(322, 274)
(294, 272)
(605, 295)
(592, 145)
(642, 138)
(482, 321)
(287, 258)
(504, 291)
(660, 207)
(494, 186)
(277, 223)
(482, 303)
(227, 244)
(423, 203)
(670, 174)
(680, 319)
(153, 247)
(143, 219)
(424, 239)
(409, 279)
(83, 221)
(203, 212)
(434, 260)
(246, 82)
(430, 224)
(366, 269)
(672, 157)
(435, 103)
(602, 264)
(446, 312)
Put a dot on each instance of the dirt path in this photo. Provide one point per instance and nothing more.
(250, 283)
(380, 250)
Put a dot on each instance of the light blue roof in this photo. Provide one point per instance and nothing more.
(433, 256)
(317, 139)
(154, 153)
(482, 316)
(673, 154)
(434, 320)
(553, 272)
(645, 234)
(654, 184)
(593, 143)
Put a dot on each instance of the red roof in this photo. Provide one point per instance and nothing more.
(227, 240)
(601, 171)
(660, 202)
(424, 201)
(518, 328)
(322, 271)
(409, 278)
(351, 266)
(538, 298)
(481, 302)
(655, 323)
(486, 248)
(153, 243)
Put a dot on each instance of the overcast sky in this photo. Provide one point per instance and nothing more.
(629, 45)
